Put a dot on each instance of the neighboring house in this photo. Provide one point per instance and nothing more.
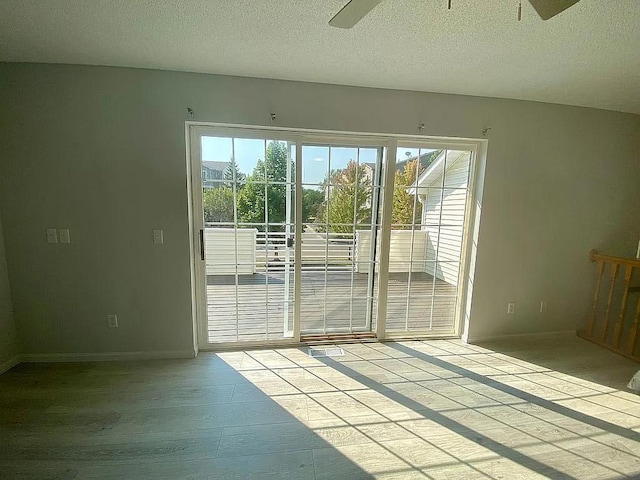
(369, 171)
(442, 191)
(212, 173)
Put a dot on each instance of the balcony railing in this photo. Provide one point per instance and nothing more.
(253, 251)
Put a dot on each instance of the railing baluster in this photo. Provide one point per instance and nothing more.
(631, 343)
(594, 308)
(615, 268)
(624, 339)
(628, 275)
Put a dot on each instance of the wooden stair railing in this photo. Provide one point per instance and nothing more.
(621, 336)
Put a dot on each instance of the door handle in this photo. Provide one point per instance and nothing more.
(202, 244)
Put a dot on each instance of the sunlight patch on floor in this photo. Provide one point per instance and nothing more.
(441, 409)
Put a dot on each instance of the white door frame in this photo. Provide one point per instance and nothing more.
(195, 130)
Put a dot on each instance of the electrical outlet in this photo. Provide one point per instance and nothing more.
(158, 237)
(543, 307)
(52, 235)
(112, 321)
(511, 308)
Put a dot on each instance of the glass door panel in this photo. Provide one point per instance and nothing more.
(429, 210)
(341, 195)
(248, 201)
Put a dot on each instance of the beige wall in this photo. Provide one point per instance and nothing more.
(8, 342)
(101, 151)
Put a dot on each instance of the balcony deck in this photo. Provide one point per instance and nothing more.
(335, 305)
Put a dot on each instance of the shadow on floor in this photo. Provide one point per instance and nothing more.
(154, 419)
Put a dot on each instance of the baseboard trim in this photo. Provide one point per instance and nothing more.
(9, 364)
(105, 357)
(515, 336)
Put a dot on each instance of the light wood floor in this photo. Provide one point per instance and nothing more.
(550, 408)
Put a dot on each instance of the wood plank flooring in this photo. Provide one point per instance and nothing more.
(542, 407)
(338, 304)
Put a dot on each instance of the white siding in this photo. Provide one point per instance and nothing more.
(400, 259)
(443, 215)
(220, 251)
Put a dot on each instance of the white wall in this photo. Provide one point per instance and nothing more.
(8, 341)
(101, 151)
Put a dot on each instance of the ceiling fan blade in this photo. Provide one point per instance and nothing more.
(550, 8)
(352, 13)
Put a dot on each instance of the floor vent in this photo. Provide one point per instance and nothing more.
(326, 352)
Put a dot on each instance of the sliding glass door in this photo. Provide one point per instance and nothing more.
(296, 240)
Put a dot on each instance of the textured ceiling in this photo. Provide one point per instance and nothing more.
(589, 55)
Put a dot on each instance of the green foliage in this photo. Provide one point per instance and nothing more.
(403, 201)
(232, 171)
(218, 204)
(349, 199)
(312, 201)
(251, 199)
(345, 199)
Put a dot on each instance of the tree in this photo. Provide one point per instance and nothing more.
(218, 204)
(251, 199)
(403, 215)
(403, 201)
(349, 198)
(232, 171)
(312, 201)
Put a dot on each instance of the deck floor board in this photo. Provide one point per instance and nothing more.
(337, 303)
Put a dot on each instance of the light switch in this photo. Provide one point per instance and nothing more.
(52, 235)
(65, 236)
(112, 320)
(158, 237)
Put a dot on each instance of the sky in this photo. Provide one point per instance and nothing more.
(316, 160)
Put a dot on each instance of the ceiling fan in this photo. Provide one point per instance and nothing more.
(355, 10)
